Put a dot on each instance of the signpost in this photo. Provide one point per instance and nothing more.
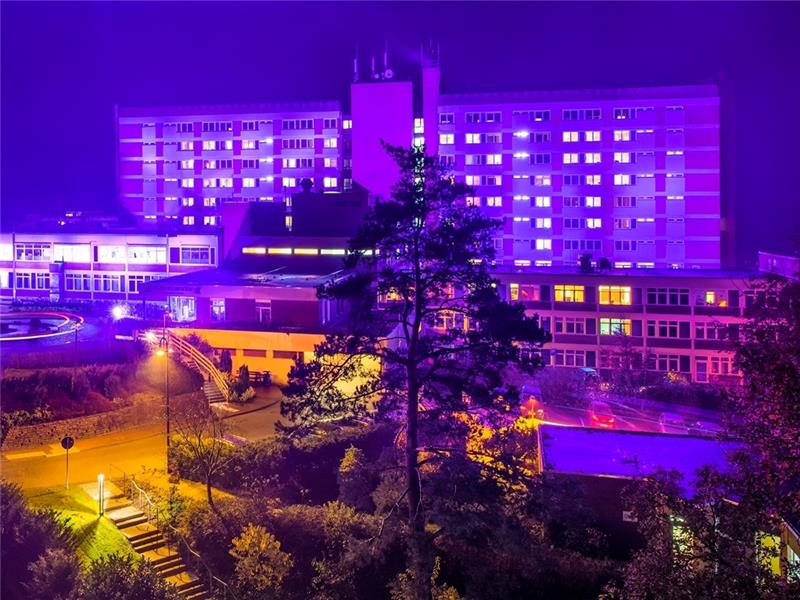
(66, 443)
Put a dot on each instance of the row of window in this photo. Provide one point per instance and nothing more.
(105, 253)
(624, 295)
(77, 282)
(539, 116)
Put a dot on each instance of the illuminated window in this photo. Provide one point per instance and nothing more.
(495, 201)
(347, 124)
(612, 326)
(622, 135)
(419, 125)
(591, 158)
(541, 180)
(446, 138)
(249, 182)
(151, 255)
(544, 223)
(186, 145)
(544, 244)
(473, 200)
(330, 182)
(67, 253)
(187, 164)
(591, 136)
(569, 293)
(592, 201)
(473, 138)
(111, 254)
(542, 201)
(209, 220)
(218, 309)
(570, 136)
(623, 179)
(592, 179)
(593, 223)
(622, 157)
(189, 220)
(330, 143)
(289, 182)
(187, 183)
(33, 252)
(570, 158)
(614, 294)
(330, 162)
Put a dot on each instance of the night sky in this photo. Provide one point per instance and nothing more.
(65, 65)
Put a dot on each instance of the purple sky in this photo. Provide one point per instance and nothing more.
(65, 65)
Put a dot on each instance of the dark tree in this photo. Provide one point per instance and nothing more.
(425, 307)
(225, 361)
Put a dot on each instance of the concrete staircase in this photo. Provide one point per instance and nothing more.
(212, 392)
(148, 542)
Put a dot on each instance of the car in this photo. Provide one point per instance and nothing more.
(601, 415)
(670, 422)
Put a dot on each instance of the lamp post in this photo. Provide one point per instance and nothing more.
(101, 494)
(164, 351)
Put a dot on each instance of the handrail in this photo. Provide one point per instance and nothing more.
(200, 359)
(153, 513)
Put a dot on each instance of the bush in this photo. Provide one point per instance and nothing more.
(53, 576)
(124, 578)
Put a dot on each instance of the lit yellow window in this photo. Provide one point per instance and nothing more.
(710, 298)
(569, 293)
(615, 326)
(513, 291)
(615, 294)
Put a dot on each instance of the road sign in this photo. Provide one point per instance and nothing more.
(67, 442)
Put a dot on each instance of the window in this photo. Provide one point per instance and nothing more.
(77, 282)
(624, 179)
(625, 245)
(591, 158)
(523, 292)
(289, 182)
(539, 116)
(186, 145)
(622, 157)
(446, 138)
(494, 201)
(613, 326)
(541, 180)
(71, 253)
(569, 293)
(539, 159)
(187, 164)
(330, 143)
(249, 125)
(721, 365)
(624, 223)
(473, 138)
(473, 200)
(218, 309)
(292, 124)
(544, 244)
(217, 126)
(591, 179)
(297, 143)
(591, 136)
(570, 325)
(111, 254)
(492, 138)
(330, 182)
(712, 331)
(622, 135)
(196, 255)
(32, 252)
(542, 201)
(249, 182)
(188, 220)
(446, 119)
(614, 294)
(570, 158)
(544, 223)
(572, 179)
(593, 223)
(328, 162)
(625, 201)
(209, 220)
(330, 123)
(135, 282)
(570, 136)
(109, 283)
(668, 296)
(569, 358)
(184, 127)
(668, 329)
(592, 201)
(187, 201)
(623, 113)
(32, 281)
(147, 255)
(541, 137)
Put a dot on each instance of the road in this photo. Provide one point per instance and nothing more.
(129, 450)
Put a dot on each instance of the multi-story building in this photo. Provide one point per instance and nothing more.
(631, 175)
(681, 321)
(627, 174)
(66, 265)
(179, 164)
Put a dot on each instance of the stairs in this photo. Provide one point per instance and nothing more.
(148, 541)
(212, 392)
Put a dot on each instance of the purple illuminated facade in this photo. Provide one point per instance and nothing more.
(630, 175)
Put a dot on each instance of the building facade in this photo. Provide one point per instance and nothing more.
(178, 165)
(106, 266)
(630, 175)
(682, 322)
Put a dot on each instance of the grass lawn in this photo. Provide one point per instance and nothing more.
(97, 536)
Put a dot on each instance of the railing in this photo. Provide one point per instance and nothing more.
(176, 543)
(201, 360)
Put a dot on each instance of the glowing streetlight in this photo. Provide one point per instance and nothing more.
(119, 312)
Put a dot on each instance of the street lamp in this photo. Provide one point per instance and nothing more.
(101, 494)
(163, 350)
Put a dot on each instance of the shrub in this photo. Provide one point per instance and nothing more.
(261, 565)
(53, 576)
(124, 578)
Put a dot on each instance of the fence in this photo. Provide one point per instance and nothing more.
(191, 354)
(176, 543)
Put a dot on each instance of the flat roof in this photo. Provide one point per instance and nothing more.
(578, 95)
(277, 276)
(631, 273)
(124, 112)
(628, 454)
